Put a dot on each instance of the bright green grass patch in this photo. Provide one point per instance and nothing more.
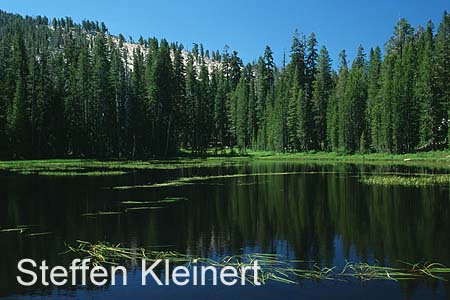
(91, 167)
(76, 167)
(417, 181)
(432, 158)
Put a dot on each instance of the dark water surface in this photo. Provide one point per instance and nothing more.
(325, 215)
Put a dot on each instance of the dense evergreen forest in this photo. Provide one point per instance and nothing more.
(74, 90)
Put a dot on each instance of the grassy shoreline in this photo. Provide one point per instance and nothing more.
(442, 157)
(92, 167)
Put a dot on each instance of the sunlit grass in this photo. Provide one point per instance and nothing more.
(92, 167)
(415, 181)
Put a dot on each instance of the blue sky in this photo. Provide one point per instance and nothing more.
(247, 25)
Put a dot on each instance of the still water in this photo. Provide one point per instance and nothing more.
(325, 215)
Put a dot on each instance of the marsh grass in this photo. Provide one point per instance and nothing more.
(39, 234)
(131, 209)
(91, 167)
(25, 230)
(182, 181)
(273, 267)
(18, 229)
(408, 181)
(137, 206)
(75, 174)
(101, 213)
(165, 200)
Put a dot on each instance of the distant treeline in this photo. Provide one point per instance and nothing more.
(71, 89)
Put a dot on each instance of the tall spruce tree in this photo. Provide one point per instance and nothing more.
(19, 115)
(374, 99)
(104, 117)
(242, 95)
(441, 76)
(322, 89)
(354, 105)
(429, 110)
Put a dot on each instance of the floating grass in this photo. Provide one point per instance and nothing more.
(101, 213)
(18, 229)
(273, 267)
(76, 174)
(144, 208)
(408, 181)
(195, 179)
(39, 234)
(165, 200)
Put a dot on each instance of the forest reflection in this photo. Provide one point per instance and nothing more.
(324, 215)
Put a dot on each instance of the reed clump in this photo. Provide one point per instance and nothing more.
(274, 267)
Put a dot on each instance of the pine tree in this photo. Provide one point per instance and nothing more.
(118, 80)
(261, 95)
(374, 100)
(251, 118)
(442, 75)
(354, 104)
(423, 92)
(19, 115)
(303, 138)
(42, 97)
(56, 142)
(339, 135)
(83, 88)
(242, 95)
(387, 90)
(179, 96)
(104, 117)
(221, 114)
(4, 102)
(322, 88)
(73, 109)
(202, 106)
(191, 101)
(311, 60)
(293, 115)
(136, 110)
(405, 121)
(298, 64)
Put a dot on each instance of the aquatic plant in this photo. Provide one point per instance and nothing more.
(84, 167)
(196, 179)
(274, 267)
(101, 213)
(415, 181)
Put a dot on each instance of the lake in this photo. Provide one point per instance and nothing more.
(316, 213)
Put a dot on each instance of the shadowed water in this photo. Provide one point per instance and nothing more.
(324, 215)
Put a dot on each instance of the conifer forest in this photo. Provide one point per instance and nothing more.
(75, 90)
